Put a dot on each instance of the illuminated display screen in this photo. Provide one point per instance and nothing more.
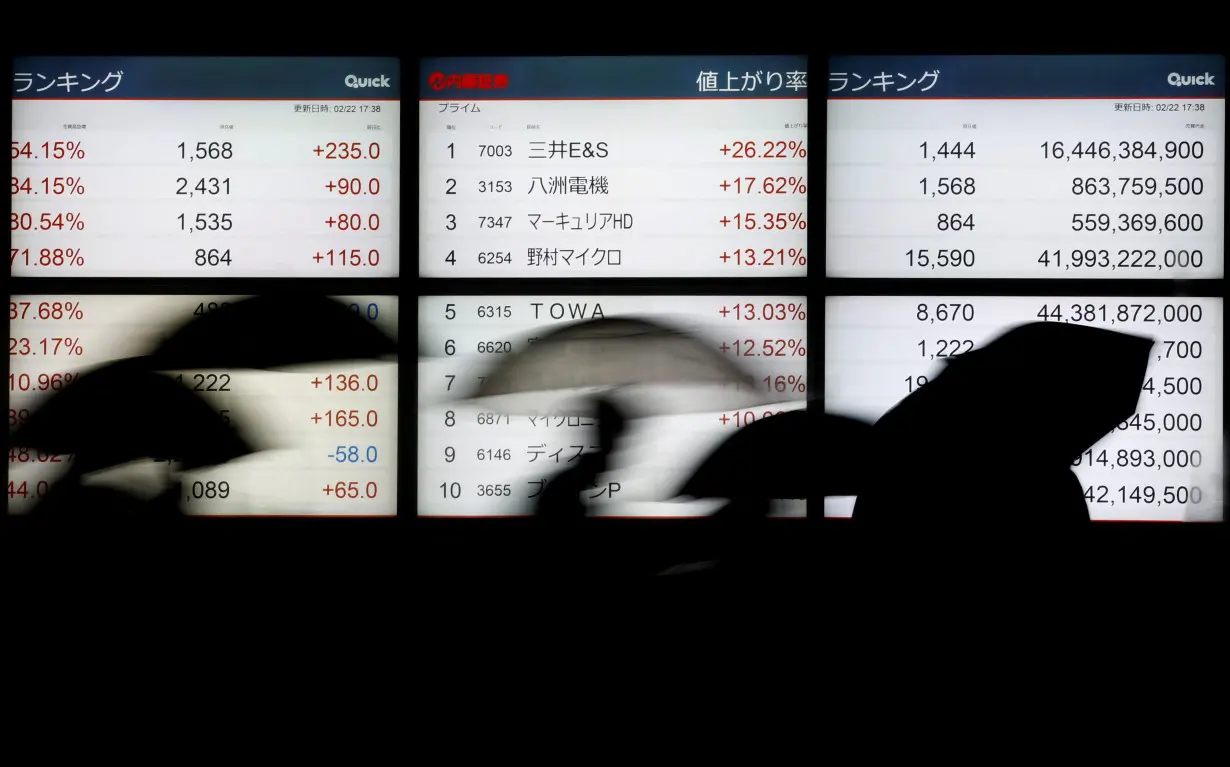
(205, 167)
(1165, 462)
(1036, 167)
(689, 373)
(314, 439)
(613, 167)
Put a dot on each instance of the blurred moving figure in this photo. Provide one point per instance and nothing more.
(560, 505)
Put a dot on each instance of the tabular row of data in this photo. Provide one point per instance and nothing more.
(81, 217)
(1141, 151)
(619, 183)
(1026, 183)
(217, 254)
(594, 254)
(967, 255)
(126, 186)
(90, 151)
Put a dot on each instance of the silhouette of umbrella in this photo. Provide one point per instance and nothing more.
(123, 412)
(620, 352)
(775, 451)
(271, 331)
(997, 430)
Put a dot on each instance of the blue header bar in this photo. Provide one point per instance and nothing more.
(224, 77)
(613, 77)
(1150, 76)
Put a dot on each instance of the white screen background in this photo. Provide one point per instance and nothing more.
(655, 456)
(273, 410)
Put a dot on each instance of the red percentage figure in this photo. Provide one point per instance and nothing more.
(793, 383)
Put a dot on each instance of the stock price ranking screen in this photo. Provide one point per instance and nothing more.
(321, 438)
(613, 166)
(205, 167)
(1165, 462)
(477, 458)
(1040, 167)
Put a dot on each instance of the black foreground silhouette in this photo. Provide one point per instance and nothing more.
(272, 331)
(992, 438)
(163, 421)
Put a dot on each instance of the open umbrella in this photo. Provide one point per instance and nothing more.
(271, 331)
(635, 354)
(124, 412)
(993, 436)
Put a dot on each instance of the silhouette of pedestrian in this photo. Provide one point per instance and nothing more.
(559, 504)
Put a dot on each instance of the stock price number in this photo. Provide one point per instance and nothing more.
(925, 258)
(212, 382)
(1141, 459)
(209, 490)
(212, 257)
(944, 348)
(204, 186)
(1137, 222)
(1151, 314)
(1122, 150)
(1122, 259)
(915, 382)
(944, 313)
(205, 222)
(954, 222)
(1168, 422)
(1170, 495)
(948, 149)
(1138, 187)
(947, 186)
(206, 150)
(212, 306)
